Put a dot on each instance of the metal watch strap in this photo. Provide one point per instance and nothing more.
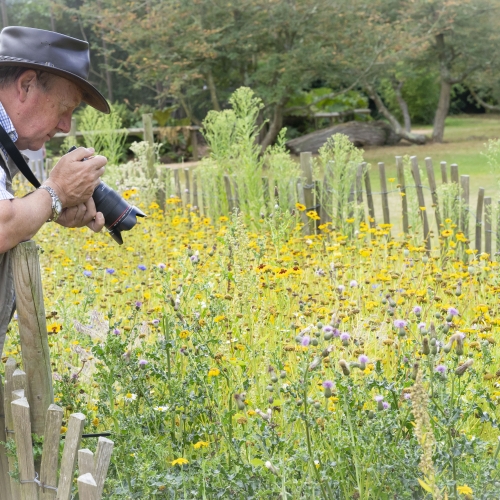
(55, 199)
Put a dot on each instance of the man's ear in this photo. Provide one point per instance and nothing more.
(25, 84)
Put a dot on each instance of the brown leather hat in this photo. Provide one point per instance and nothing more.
(52, 52)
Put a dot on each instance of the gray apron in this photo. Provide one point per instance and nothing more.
(7, 298)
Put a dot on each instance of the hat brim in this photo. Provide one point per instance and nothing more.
(91, 95)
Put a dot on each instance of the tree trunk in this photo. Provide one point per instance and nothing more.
(442, 110)
(213, 91)
(5, 19)
(398, 129)
(403, 105)
(274, 127)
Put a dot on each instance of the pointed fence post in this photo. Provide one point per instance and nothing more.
(487, 225)
(421, 201)
(4, 462)
(432, 185)
(24, 449)
(10, 368)
(33, 332)
(479, 218)
(308, 188)
(101, 464)
(50, 453)
(87, 487)
(68, 461)
(369, 199)
(465, 190)
(402, 190)
(383, 188)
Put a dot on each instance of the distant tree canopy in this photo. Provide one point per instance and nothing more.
(406, 55)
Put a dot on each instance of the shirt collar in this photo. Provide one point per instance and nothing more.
(8, 126)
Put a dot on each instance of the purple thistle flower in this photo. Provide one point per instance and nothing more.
(88, 274)
(110, 270)
(341, 288)
(161, 265)
(452, 311)
(116, 331)
(363, 359)
(138, 304)
(305, 340)
(194, 258)
(417, 310)
(400, 323)
(344, 337)
(378, 398)
(142, 267)
(407, 395)
(142, 363)
(441, 369)
(328, 329)
(156, 322)
(421, 326)
(353, 284)
(385, 405)
(328, 384)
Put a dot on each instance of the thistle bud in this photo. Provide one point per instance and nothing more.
(271, 467)
(463, 367)
(282, 374)
(326, 352)
(425, 346)
(315, 363)
(344, 366)
(414, 372)
(240, 401)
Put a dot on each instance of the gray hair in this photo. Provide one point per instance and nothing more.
(10, 75)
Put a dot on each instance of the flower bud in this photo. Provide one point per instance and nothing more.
(463, 367)
(414, 372)
(240, 401)
(271, 467)
(425, 346)
(315, 363)
(344, 366)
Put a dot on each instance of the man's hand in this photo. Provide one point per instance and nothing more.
(74, 180)
(81, 215)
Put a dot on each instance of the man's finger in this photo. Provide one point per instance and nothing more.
(97, 223)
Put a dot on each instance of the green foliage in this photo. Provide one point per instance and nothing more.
(103, 132)
(339, 159)
(421, 93)
(306, 102)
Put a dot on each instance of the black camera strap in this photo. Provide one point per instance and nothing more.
(17, 157)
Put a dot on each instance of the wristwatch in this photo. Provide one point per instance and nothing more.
(56, 203)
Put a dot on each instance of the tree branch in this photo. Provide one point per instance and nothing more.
(482, 103)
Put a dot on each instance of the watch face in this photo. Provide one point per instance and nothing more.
(58, 207)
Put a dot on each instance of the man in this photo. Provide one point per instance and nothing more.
(43, 78)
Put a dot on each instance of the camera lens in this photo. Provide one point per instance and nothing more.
(119, 215)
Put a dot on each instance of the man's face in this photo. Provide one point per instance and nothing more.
(46, 112)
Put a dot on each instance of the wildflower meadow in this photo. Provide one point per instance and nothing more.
(234, 356)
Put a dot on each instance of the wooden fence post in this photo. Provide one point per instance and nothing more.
(487, 225)
(4, 463)
(432, 185)
(421, 201)
(464, 219)
(50, 453)
(308, 188)
(194, 142)
(369, 199)
(454, 173)
(10, 368)
(101, 463)
(24, 448)
(87, 487)
(444, 176)
(229, 194)
(68, 461)
(479, 218)
(326, 198)
(402, 190)
(33, 332)
(383, 188)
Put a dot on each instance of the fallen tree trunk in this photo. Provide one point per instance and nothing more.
(361, 134)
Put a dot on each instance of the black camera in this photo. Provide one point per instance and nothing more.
(119, 215)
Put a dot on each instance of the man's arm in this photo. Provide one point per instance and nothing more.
(74, 182)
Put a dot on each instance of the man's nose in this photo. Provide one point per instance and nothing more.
(64, 124)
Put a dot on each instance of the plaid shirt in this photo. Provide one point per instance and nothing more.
(7, 125)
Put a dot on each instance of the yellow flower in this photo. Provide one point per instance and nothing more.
(179, 461)
(223, 218)
(63, 429)
(200, 444)
(213, 372)
(184, 334)
(95, 422)
(446, 233)
(300, 207)
(312, 214)
(218, 319)
(464, 490)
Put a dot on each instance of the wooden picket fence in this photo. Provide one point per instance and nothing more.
(187, 187)
(27, 406)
